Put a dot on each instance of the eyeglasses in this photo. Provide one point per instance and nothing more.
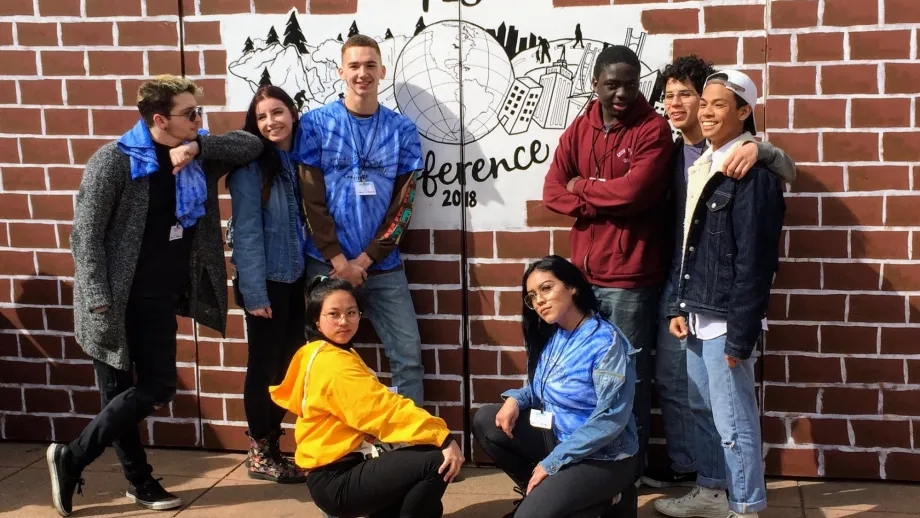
(544, 291)
(349, 316)
(190, 114)
(674, 98)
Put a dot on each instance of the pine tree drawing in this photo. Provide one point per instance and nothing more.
(419, 25)
(389, 35)
(294, 36)
(339, 39)
(266, 78)
(249, 46)
(353, 30)
(272, 37)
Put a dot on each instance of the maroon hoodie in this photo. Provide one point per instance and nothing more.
(618, 239)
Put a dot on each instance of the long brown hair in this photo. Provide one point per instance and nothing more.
(269, 161)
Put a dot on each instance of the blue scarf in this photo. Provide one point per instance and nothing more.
(191, 184)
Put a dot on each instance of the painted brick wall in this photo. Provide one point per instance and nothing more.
(839, 94)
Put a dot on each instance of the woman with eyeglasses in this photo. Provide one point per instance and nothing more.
(267, 239)
(568, 437)
(345, 416)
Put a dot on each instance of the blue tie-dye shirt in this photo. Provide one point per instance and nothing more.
(348, 149)
(563, 381)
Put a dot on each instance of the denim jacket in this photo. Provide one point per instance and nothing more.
(609, 433)
(267, 239)
(729, 249)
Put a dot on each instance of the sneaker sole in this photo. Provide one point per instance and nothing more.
(155, 506)
(260, 476)
(702, 514)
(664, 485)
(55, 486)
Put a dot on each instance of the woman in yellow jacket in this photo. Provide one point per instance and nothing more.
(344, 414)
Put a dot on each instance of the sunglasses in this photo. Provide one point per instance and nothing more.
(190, 114)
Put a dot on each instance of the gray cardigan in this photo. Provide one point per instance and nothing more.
(108, 227)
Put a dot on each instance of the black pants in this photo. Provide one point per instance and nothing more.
(272, 344)
(151, 327)
(583, 489)
(403, 483)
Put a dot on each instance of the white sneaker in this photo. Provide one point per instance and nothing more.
(733, 514)
(698, 503)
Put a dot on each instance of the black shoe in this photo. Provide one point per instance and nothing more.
(662, 478)
(517, 502)
(150, 494)
(63, 482)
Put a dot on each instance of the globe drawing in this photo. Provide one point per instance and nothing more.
(432, 69)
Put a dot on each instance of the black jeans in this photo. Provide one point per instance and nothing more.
(404, 483)
(583, 489)
(272, 344)
(150, 324)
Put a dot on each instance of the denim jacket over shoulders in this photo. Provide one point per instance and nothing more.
(610, 431)
(266, 245)
(729, 249)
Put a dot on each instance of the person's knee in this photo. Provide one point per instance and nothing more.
(484, 421)
(159, 395)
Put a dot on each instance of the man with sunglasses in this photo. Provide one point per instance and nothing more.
(147, 246)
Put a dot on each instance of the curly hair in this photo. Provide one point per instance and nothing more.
(155, 97)
(689, 69)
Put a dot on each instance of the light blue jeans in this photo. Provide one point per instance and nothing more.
(671, 382)
(727, 425)
(634, 311)
(386, 302)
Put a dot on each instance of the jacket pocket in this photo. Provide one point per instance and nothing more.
(101, 327)
(717, 218)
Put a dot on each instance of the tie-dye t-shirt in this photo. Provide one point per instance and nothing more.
(348, 150)
(564, 379)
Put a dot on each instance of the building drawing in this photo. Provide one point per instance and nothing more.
(584, 75)
(557, 83)
(520, 104)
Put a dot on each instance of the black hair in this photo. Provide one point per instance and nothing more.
(615, 54)
(692, 69)
(537, 331)
(317, 290)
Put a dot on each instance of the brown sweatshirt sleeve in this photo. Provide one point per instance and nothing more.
(396, 221)
(319, 222)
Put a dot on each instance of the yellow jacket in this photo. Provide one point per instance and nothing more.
(341, 403)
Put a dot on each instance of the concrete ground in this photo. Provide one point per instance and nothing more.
(214, 484)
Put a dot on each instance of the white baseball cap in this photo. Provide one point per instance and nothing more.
(739, 83)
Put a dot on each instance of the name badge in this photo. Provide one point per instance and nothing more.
(541, 419)
(365, 189)
(393, 390)
(175, 232)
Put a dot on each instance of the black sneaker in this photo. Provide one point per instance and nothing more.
(662, 478)
(150, 494)
(63, 482)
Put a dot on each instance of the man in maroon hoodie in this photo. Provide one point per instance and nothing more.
(610, 172)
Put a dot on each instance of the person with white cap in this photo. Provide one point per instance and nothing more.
(729, 255)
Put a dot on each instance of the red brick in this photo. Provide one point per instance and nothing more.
(539, 216)
(730, 18)
(33, 235)
(880, 45)
(900, 402)
(80, 375)
(818, 178)
(489, 390)
(819, 113)
(850, 147)
(888, 244)
(432, 272)
(116, 63)
(798, 276)
(47, 401)
(423, 301)
(23, 178)
(505, 274)
(6, 33)
(224, 437)
(17, 7)
(27, 427)
(792, 338)
(903, 277)
(67, 121)
(776, 113)
(170, 8)
(8, 92)
(852, 210)
(113, 122)
(878, 178)
(11, 399)
(820, 431)
(438, 332)
(207, 7)
(794, 14)
(721, 51)
(222, 122)
(791, 462)
(792, 80)
(803, 146)
(877, 308)
(851, 464)
(820, 308)
(18, 63)
(844, 13)
(522, 245)
(902, 78)
(175, 434)
(900, 340)
(16, 372)
(848, 339)
(113, 8)
(902, 465)
(59, 7)
(902, 146)
(53, 206)
(818, 46)
(203, 33)
(483, 362)
(851, 276)
(16, 206)
(496, 332)
(91, 92)
(808, 369)
(44, 151)
(37, 34)
(874, 370)
(902, 210)
(442, 390)
(84, 148)
(56, 263)
(671, 21)
(901, 11)
(215, 62)
(62, 63)
(780, 398)
(143, 34)
(43, 91)
(849, 401)
(36, 291)
(818, 243)
(850, 79)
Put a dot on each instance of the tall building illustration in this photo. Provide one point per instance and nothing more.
(519, 106)
(557, 85)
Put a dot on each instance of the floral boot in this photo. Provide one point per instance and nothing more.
(265, 462)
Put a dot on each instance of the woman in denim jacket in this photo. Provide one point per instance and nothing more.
(568, 437)
(267, 242)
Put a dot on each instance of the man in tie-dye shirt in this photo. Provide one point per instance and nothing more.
(358, 162)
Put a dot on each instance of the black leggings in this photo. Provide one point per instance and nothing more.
(272, 344)
(583, 489)
(403, 483)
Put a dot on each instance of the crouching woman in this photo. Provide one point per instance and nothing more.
(568, 437)
(345, 415)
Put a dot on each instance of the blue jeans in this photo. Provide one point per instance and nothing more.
(386, 302)
(635, 312)
(671, 382)
(727, 425)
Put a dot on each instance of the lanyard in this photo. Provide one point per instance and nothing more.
(362, 160)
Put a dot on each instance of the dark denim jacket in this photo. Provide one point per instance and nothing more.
(730, 250)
